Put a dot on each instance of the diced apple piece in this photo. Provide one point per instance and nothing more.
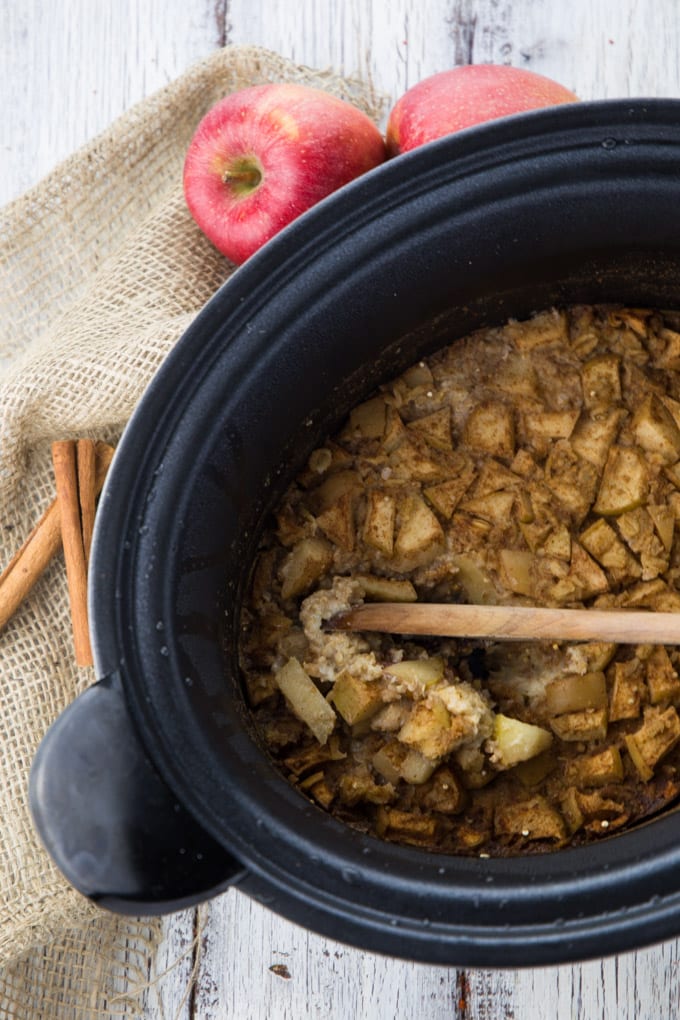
(536, 531)
(637, 528)
(445, 793)
(664, 522)
(516, 570)
(416, 769)
(418, 375)
(475, 582)
(406, 826)
(333, 488)
(337, 522)
(368, 419)
(550, 424)
(523, 464)
(304, 565)
(417, 674)
(663, 682)
(625, 694)
(495, 507)
(571, 479)
(387, 760)
(588, 724)
(625, 482)
(641, 766)
(653, 594)
(514, 741)
(674, 505)
(516, 377)
(598, 769)
(306, 700)
(446, 496)
(601, 381)
(311, 780)
(419, 537)
(311, 757)
(571, 809)
(603, 544)
(584, 579)
(494, 477)
(386, 589)
(530, 820)
(414, 461)
(356, 700)
(558, 543)
(593, 436)
(597, 807)
(392, 717)
(659, 734)
(435, 428)
(669, 358)
(323, 793)
(655, 430)
(574, 692)
(490, 428)
(541, 330)
(597, 654)
(381, 513)
(395, 431)
(359, 785)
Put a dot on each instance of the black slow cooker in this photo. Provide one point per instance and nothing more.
(151, 791)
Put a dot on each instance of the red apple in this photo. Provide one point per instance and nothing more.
(464, 96)
(265, 154)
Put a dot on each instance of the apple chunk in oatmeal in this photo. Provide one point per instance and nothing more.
(537, 463)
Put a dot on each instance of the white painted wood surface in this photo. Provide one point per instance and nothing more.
(67, 68)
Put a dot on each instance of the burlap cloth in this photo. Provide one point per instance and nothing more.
(102, 271)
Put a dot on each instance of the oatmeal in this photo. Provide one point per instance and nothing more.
(533, 464)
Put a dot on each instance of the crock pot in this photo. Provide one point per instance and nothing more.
(151, 791)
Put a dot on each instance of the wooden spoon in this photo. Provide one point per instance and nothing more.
(513, 623)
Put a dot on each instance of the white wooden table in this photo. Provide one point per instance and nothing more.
(67, 69)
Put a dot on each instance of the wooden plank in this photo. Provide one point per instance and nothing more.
(596, 49)
(390, 44)
(69, 68)
(169, 993)
(634, 986)
(313, 977)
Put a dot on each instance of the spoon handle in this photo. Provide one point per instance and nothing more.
(513, 623)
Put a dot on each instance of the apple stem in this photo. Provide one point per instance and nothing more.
(243, 177)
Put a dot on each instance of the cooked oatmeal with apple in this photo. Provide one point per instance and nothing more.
(533, 464)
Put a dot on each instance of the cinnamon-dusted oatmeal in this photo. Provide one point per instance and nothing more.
(533, 464)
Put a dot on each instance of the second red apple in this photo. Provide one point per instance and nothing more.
(465, 96)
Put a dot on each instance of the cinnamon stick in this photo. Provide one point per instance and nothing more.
(66, 480)
(29, 562)
(34, 556)
(86, 469)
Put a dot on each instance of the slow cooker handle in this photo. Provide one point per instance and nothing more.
(111, 823)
